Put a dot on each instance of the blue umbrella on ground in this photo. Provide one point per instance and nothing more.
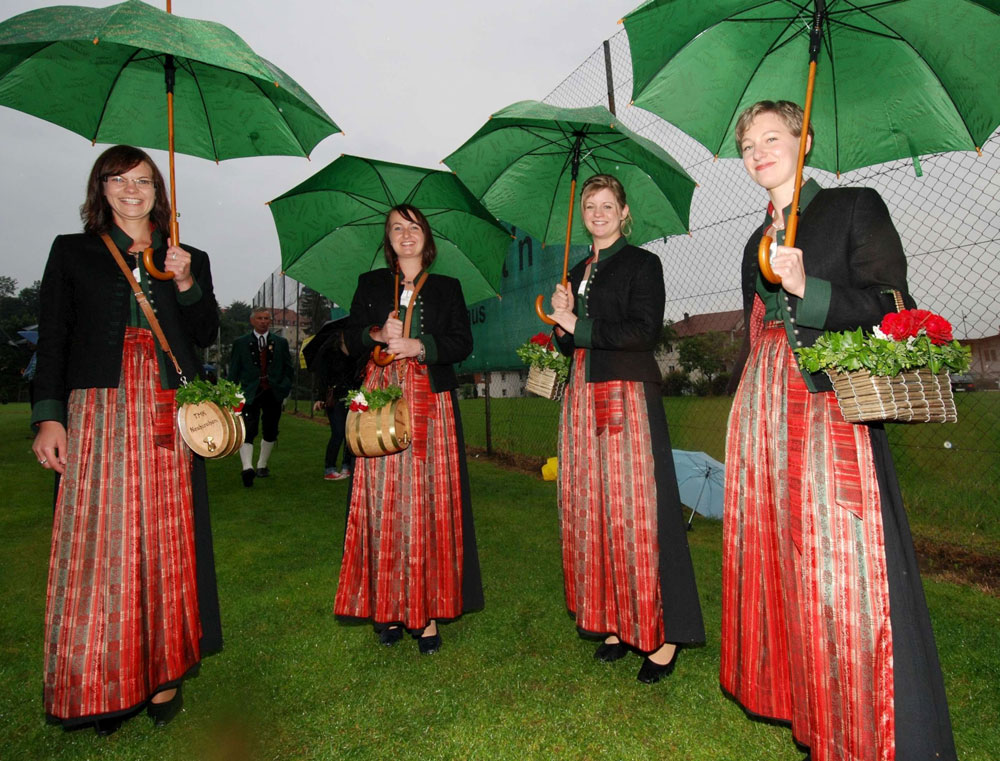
(701, 480)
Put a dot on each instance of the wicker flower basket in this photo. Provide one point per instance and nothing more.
(913, 396)
(544, 383)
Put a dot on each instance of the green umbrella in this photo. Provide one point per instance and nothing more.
(105, 73)
(894, 79)
(523, 165)
(886, 80)
(331, 226)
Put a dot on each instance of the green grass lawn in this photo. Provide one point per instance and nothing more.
(949, 473)
(511, 682)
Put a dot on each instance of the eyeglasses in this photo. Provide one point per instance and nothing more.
(119, 182)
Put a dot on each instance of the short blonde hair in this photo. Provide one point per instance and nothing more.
(790, 113)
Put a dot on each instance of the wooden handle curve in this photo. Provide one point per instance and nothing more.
(147, 262)
(380, 358)
(540, 310)
(764, 259)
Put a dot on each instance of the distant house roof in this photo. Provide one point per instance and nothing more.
(696, 324)
(283, 316)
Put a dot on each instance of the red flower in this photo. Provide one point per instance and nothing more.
(238, 407)
(542, 339)
(911, 322)
(899, 325)
(938, 330)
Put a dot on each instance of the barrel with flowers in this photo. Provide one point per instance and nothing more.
(897, 372)
(378, 421)
(547, 368)
(208, 416)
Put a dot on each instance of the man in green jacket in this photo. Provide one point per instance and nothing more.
(261, 363)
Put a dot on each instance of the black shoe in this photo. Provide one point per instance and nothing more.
(263, 472)
(106, 727)
(248, 476)
(650, 673)
(609, 653)
(429, 645)
(163, 713)
(391, 635)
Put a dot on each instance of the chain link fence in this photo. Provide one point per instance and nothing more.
(948, 222)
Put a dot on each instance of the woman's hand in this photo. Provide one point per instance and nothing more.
(787, 264)
(50, 445)
(562, 308)
(178, 261)
(562, 298)
(403, 348)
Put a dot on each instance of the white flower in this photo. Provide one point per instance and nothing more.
(360, 399)
(879, 334)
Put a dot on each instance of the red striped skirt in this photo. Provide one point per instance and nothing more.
(806, 633)
(607, 510)
(403, 556)
(121, 616)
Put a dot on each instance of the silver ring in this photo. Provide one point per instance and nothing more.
(43, 461)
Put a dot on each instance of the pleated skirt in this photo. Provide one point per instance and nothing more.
(626, 564)
(816, 593)
(409, 549)
(121, 617)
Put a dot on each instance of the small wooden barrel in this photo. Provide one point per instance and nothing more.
(210, 430)
(373, 433)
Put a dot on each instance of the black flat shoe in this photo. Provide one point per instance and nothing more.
(429, 645)
(263, 472)
(390, 636)
(106, 727)
(248, 476)
(609, 653)
(650, 673)
(163, 713)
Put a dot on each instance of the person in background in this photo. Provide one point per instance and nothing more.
(824, 623)
(626, 563)
(410, 558)
(337, 372)
(132, 604)
(262, 364)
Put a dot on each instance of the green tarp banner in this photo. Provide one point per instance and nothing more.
(501, 325)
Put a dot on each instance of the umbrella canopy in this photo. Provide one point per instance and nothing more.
(29, 334)
(331, 226)
(315, 343)
(100, 72)
(893, 80)
(520, 165)
(701, 480)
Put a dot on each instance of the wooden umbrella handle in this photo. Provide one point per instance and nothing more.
(792, 223)
(540, 300)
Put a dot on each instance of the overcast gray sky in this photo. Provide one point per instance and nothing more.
(407, 81)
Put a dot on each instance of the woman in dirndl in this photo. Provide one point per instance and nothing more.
(626, 563)
(410, 559)
(132, 603)
(824, 623)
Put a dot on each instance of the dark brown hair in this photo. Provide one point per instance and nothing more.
(412, 214)
(96, 211)
(790, 113)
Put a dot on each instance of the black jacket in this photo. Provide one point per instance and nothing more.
(853, 259)
(624, 317)
(442, 322)
(85, 307)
